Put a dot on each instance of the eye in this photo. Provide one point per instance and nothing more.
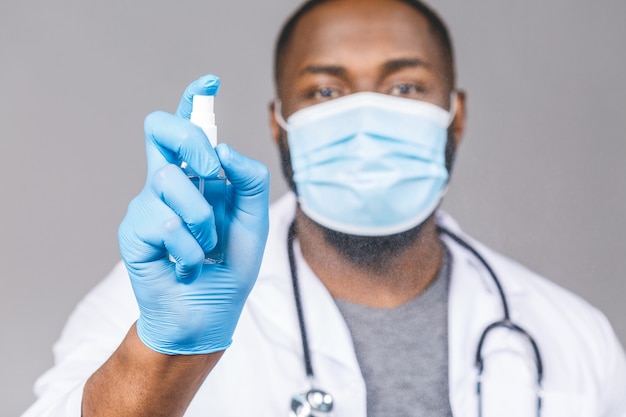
(325, 93)
(407, 90)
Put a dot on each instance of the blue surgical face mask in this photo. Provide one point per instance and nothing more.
(368, 164)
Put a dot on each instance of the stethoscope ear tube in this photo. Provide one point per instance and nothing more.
(463, 243)
(314, 402)
(291, 235)
(505, 322)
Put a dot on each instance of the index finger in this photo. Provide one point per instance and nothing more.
(207, 85)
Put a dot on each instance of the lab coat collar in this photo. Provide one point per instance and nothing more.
(504, 268)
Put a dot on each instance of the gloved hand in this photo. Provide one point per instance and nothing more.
(189, 307)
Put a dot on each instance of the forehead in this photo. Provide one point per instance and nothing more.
(361, 32)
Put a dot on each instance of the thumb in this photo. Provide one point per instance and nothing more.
(207, 85)
(250, 181)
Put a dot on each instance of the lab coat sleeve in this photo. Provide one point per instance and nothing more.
(92, 333)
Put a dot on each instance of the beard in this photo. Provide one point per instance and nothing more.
(372, 253)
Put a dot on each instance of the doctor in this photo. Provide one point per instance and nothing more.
(368, 300)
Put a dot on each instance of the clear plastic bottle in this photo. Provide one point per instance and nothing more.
(213, 189)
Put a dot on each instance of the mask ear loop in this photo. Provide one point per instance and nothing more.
(278, 114)
(452, 110)
(452, 114)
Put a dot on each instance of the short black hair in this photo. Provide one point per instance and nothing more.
(437, 27)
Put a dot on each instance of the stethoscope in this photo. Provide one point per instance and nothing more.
(317, 403)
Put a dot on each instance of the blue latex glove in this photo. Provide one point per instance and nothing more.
(189, 307)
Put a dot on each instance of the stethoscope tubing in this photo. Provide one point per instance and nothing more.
(505, 322)
(308, 366)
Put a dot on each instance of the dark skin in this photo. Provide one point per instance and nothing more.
(336, 49)
(381, 46)
(136, 381)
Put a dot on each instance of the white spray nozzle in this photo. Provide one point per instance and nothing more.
(203, 116)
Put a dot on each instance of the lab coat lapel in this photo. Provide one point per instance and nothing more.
(471, 307)
(327, 332)
(272, 306)
(474, 303)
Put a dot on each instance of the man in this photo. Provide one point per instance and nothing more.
(367, 304)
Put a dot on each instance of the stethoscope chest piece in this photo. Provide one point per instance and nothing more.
(313, 403)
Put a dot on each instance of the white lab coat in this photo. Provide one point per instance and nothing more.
(585, 366)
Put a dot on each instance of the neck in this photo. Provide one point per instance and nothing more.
(404, 275)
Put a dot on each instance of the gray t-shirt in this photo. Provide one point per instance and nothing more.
(403, 352)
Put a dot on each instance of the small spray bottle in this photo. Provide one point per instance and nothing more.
(213, 189)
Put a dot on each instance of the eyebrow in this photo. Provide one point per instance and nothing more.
(402, 63)
(334, 70)
(388, 67)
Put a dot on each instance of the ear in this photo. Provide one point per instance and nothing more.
(458, 124)
(274, 126)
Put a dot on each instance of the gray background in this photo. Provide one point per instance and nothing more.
(540, 175)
